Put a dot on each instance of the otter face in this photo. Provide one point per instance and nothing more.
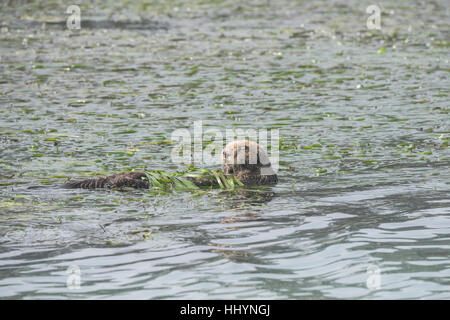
(244, 155)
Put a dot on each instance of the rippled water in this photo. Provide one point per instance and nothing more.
(362, 209)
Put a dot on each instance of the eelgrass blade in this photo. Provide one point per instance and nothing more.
(161, 180)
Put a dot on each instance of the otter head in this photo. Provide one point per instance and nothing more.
(244, 155)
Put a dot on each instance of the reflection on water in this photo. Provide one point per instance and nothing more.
(362, 208)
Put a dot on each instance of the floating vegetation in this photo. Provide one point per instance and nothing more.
(163, 181)
(382, 50)
(314, 146)
(224, 181)
(162, 142)
(284, 146)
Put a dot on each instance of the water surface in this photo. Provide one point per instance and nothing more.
(364, 160)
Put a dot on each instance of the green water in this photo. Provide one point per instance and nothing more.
(364, 158)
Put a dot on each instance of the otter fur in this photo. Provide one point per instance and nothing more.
(244, 159)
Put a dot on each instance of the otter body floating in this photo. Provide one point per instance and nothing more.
(243, 160)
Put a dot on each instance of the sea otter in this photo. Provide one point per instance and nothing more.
(244, 159)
